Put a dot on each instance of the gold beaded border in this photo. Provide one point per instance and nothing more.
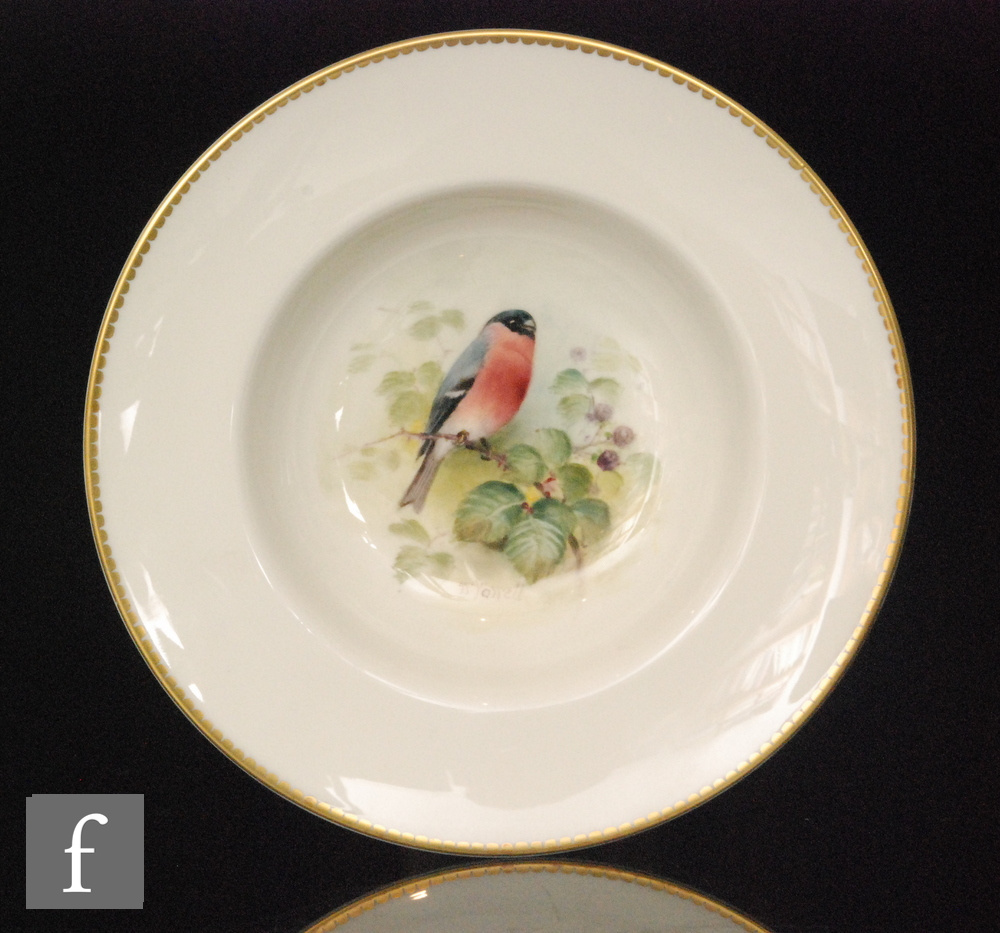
(416, 885)
(183, 186)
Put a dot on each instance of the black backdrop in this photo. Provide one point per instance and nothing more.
(881, 813)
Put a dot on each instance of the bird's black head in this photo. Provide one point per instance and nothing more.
(520, 322)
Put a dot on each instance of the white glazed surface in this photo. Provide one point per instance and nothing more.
(534, 898)
(605, 198)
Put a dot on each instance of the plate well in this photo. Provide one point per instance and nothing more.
(638, 366)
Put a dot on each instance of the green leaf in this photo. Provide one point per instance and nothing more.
(425, 328)
(389, 459)
(554, 446)
(360, 363)
(407, 407)
(606, 389)
(452, 317)
(362, 469)
(570, 380)
(395, 382)
(574, 407)
(441, 561)
(594, 520)
(535, 546)
(409, 561)
(429, 376)
(575, 480)
(609, 355)
(609, 482)
(411, 529)
(526, 464)
(640, 468)
(557, 513)
(489, 512)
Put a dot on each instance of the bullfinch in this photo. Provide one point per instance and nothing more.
(481, 392)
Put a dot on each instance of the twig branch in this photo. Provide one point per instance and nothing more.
(459, 440)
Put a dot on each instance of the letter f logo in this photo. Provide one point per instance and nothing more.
(76, 851)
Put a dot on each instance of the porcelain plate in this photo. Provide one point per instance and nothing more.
(659, 566)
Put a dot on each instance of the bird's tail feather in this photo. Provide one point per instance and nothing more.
(417, 492)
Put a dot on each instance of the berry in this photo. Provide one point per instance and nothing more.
(608, 460)
(601, 412)
(623, 435)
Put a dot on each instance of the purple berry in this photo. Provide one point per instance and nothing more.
(623, 435)
(577, 354)
(601, 412)
(608, 460)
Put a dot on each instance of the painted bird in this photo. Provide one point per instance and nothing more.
(481, 392)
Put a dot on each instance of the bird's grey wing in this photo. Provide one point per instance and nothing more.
(456, 384)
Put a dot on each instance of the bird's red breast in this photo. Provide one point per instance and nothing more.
(502, 382)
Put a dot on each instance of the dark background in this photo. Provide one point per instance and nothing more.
(880, 814)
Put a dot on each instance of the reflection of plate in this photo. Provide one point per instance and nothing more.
(536, 896)
(717, 366)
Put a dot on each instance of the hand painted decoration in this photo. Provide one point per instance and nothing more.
(481, 393)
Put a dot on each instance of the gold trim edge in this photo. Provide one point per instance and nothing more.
(204, 163)
(415, 885)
